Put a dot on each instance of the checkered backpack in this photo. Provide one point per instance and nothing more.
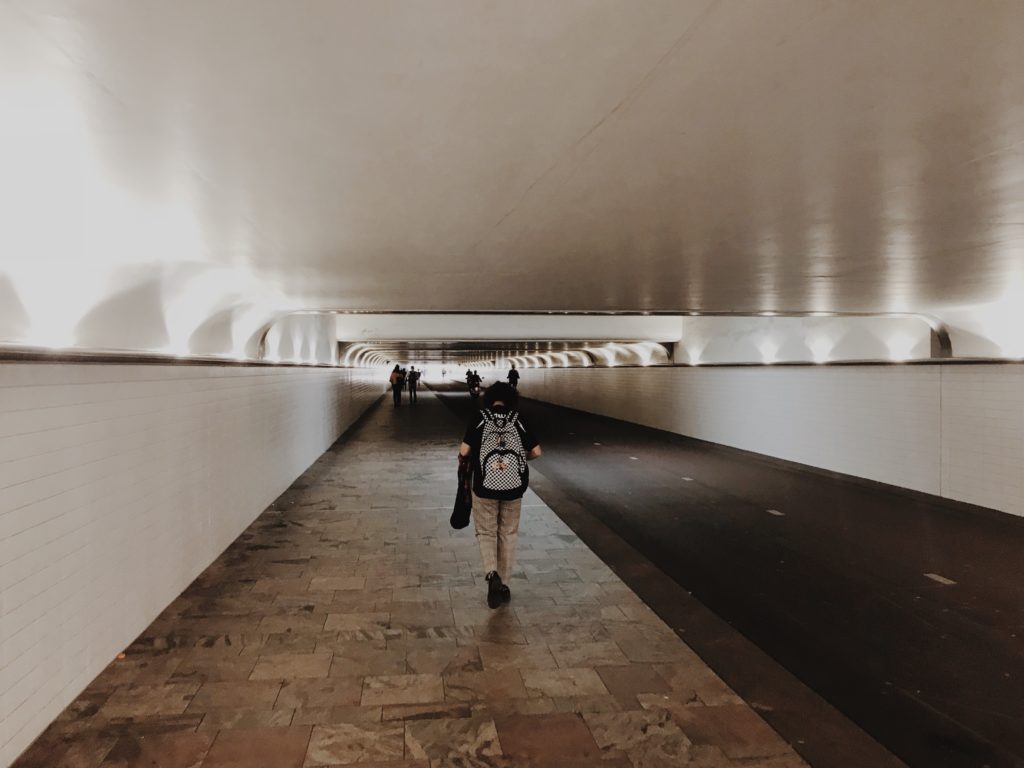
(502, 457)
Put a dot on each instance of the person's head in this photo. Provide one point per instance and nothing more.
(501, 393)
(412, 367)
(396, 368)
(513, 366)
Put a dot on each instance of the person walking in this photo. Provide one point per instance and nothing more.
(396, 381)
(513, 377)
(498, 444)
(414, 380)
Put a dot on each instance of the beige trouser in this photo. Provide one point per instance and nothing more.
(497, 531)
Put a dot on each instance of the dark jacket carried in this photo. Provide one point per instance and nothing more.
(464, 494)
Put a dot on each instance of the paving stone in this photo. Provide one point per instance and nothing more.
(627, 681)
(357, 621)
(546, 736)
(292, 623)
(278, 747)
(427, 711)
(212, 669)
(493, 685)
(336, 715)
(170, 750)
(445, 658)
(234, 695)
(345, 743)
(697, 680)
(135, 700)
(281, 642)
(650, 738)
(335, 583)
(734, 728)
(144, 670)
(500, 635)
(217, 719)
(444, 738)
(320, 692)
(429, 615)
(85, 751)
(292, 666)
(563, 682)
(515, 656)
(587, 631)
(591, 704)
(402, 689)
(354, 658)
(135, 725)
(85, 706)
(598, 653)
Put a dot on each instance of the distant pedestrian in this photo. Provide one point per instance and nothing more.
(414, 380)
(499, 445)
(513, 377)
(396, 381)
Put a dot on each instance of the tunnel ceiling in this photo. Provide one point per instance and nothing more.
(668, 155)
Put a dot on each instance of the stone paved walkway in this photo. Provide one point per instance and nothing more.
(348, 625)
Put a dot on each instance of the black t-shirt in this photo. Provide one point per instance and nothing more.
(474, 436)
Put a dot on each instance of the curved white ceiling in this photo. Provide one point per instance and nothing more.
(575, 155)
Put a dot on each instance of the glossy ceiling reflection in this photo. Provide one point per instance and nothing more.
(176, 175)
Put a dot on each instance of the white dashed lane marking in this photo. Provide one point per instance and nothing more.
(633, 458)
(940, 579)
(776, 513)
(688, 479)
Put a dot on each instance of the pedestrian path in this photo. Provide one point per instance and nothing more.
(348, 624)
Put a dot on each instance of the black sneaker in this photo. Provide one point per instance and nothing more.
(506, 593)
(494, 593)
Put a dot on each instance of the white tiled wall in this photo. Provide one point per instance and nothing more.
(983, 435)
(956, 431)
(118, 485)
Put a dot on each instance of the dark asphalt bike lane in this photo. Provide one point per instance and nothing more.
(801, 588)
